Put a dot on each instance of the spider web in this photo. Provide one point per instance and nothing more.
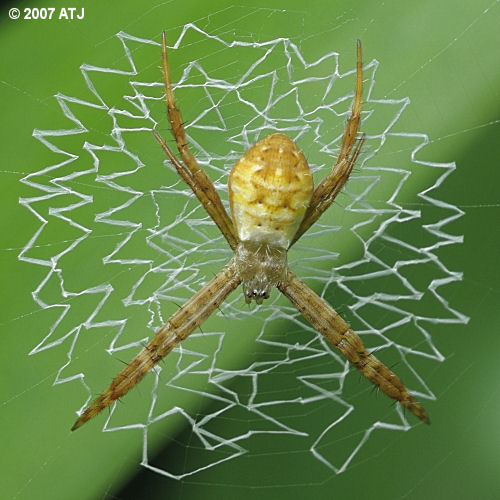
(137, 244)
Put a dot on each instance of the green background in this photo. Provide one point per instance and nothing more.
(446, 58)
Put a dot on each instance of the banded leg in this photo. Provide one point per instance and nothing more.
(191, 315)
(212, 209)
(200, 182)
(327, 322)
(330, 186)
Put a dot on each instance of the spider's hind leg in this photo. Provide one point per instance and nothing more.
(190, 170)
(328, 189)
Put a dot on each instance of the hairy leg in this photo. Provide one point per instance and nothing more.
(327, 322)
(199, 180)
(212, 209)
(330, 186)
(191, 315)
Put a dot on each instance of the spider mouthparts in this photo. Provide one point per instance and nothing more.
(256, 295)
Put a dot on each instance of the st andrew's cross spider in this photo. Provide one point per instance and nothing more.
(273, 203)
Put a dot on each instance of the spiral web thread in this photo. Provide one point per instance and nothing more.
(146, 245)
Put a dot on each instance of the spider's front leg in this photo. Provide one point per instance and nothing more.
(190, 316)
(328, 322)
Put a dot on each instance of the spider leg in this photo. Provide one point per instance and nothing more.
(330, 186)
(200, 193)
(200, 182)
(191, 315)
(328, 322)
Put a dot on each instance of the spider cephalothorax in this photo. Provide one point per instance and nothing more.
(260, 268)
(273, 202)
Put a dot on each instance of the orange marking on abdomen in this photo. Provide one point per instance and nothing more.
(270, 187)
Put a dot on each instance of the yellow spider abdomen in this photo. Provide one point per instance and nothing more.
(270, 187)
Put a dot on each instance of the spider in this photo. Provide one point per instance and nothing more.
(273, 203)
